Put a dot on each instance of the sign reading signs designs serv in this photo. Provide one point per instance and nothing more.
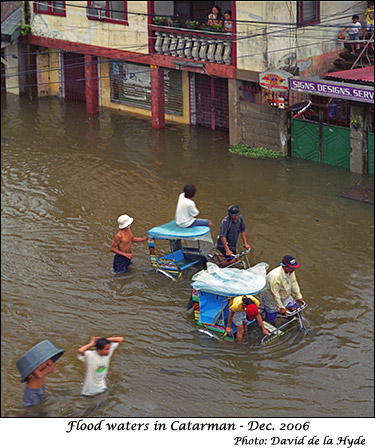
(353, 92)
(274, 80)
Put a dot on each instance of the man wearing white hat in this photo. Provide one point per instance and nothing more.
(122, 244)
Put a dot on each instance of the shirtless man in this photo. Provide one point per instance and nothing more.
(122, 244)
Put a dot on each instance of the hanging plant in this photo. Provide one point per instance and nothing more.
(355, 122)
(25, 30)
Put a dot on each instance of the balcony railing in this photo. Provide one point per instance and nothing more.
(205, 46)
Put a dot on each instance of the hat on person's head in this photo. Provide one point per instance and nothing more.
(290, 262)
(234, 210)
(252, 311)
(124, 221)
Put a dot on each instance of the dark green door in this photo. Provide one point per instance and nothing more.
(305, 140)
(336, 146)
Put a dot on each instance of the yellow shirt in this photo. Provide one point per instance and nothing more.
(369, 15)
(280, 286)
(236, 303)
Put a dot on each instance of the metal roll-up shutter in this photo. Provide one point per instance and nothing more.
(173, 92)
(131, 85)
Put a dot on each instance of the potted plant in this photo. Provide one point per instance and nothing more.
(192, 24)
(217, 28)
(206, 27)
(160, 21)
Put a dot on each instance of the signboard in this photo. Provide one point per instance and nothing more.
(276, 80)
(353, 92)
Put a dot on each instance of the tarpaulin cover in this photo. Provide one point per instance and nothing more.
(171, 231)
(231, 281)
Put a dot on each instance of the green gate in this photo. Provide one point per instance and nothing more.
(305, 140)
(321, 143)
(370, 146)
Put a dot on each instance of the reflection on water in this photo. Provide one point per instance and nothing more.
(66, 177)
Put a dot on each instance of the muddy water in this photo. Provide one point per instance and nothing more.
(66, 177)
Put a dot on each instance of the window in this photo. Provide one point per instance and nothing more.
(108, 11)
(54, 8)
(308, 12)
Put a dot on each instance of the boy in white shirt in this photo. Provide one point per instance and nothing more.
(97, 363)
(186, 210)
(354, 29)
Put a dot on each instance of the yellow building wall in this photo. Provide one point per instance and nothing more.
(105, 94)
(48, 72)
(77, 28)
(273, 40)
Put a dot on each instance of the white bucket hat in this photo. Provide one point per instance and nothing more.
(124, 221)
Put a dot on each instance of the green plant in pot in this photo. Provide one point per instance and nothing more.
(192, 24)
(160, 20)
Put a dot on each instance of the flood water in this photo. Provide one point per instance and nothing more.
(67, 176)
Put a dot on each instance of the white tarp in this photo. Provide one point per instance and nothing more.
(231, 281)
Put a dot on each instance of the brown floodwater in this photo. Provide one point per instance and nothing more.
(67, 176)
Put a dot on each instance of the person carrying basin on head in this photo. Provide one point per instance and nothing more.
(122, 244)
(231, 227)
(282, 290)
(34, 366)
(186, 210)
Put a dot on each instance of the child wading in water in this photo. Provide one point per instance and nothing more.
(35, 389)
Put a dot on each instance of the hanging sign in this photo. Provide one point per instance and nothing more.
(342, 90)
(276, 80)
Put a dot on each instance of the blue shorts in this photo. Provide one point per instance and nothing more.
(200, 222)
(271, 314)
(121, 264)
(354, 36)
(31, 397)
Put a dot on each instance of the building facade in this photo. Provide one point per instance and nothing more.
(163, 60)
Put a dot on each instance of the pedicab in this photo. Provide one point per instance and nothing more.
(213, 289)
(188, 246)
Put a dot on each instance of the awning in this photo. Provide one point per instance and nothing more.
(11, 27)
(171, 231)
(364, 74)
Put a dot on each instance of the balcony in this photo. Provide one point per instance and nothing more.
(198, 45)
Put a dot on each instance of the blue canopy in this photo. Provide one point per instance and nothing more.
(171, 231)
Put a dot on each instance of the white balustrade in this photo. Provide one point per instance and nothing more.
(195, 47)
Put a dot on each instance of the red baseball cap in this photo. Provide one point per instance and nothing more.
(252, 311)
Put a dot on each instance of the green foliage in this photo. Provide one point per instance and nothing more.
(25, 30)
(255, 153)
(192, 24)
(160, 20)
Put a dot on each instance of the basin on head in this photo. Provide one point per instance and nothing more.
(36, 356)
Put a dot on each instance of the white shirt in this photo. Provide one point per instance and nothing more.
(354, 28)
(186, 211)
(96, 370)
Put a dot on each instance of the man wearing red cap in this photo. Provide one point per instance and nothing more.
(282, 289)
(242, 310)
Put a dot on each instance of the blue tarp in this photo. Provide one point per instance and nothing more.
(171, 231)
(231, 281)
